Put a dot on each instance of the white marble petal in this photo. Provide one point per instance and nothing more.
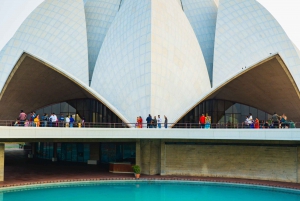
(99, 15)
(54, 32)
(151, 61)
(247, 33)
(202, 15)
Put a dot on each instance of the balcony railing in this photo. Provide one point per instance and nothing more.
(141, 126)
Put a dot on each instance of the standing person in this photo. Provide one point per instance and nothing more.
(37, 121)
(159, 121)
(83, 122)
(67, 121)
(266, 124)
(61, 120)
(149, 119)
(275, 119)
(246, 122)
(137, 122)
(250, 120)
(140, 122)
(56, 120)
(71, 121)
(256, 123)
(26, 124)
(154, 122)
(166, 122)
(45, 120)
(202, 121)
(22, 117)
(53, 119)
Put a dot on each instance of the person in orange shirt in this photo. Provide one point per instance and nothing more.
(37, 121)
(256, 123)
(140, 122)
(202, 121)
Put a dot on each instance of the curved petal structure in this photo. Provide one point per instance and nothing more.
(123, 70)
(247, 33)
(10, 21)
(202, 15)
(99, 15)
(178, 67)
(56, 32)
(151, 68)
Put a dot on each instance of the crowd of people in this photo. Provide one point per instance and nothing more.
(34, 120)
(276, 121)
(152, 122)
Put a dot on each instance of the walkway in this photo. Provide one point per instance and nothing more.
(19, 170)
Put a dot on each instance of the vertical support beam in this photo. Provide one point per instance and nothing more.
(298, 165)
(2, 154)
(162, 157)
(150, 156)
(94, 153)
(54, 158)
(31, 154)
(138, 152)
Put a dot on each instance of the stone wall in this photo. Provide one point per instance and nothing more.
(149, 156)
(278, 163)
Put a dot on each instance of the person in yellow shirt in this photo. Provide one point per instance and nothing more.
(37, 121)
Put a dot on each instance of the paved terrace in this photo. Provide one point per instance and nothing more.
(19, 171)
(10, 134)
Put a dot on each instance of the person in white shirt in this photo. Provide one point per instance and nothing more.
(246, 122)
(159, 121)
(250, 119)
(67, 121)
(54, 119)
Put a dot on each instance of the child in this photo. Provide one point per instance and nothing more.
(26, 124)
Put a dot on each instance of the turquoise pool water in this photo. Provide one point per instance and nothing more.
(149, 191)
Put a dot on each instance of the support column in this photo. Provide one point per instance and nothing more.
(2, 146)
(94, 153)
(30, 155)
(150, 156)
(298, 165)
(138, 152)
(54, 158)
(162, 157)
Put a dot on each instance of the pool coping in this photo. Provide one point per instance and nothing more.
(295, 187)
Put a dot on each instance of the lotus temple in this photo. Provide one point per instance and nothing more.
(108, 62)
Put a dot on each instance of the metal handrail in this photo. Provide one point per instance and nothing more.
(136, 125)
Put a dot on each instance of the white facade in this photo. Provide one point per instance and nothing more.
(99, 15)
(203, 16)
(150, 56)
(54, 32)
(247, 33)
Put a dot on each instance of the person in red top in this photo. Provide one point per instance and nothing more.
(256, 123)
(202, 121)
(140, 122)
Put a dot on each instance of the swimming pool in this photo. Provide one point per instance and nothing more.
(147, 191)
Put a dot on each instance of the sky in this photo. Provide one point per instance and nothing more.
(287, 13)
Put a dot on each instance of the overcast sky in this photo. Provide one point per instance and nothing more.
(287, 12)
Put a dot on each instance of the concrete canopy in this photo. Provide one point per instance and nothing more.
(268, 86)
(34, 84)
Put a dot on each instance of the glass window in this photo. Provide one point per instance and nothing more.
(236, 108)
(64, 107)
(56, 108)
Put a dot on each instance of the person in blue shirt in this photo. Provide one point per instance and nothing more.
(71, 121)
(149, 119)
(61, 120)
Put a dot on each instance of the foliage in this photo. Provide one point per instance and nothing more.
(136, 169)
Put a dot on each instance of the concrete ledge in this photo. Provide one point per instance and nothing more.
(32, 133)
